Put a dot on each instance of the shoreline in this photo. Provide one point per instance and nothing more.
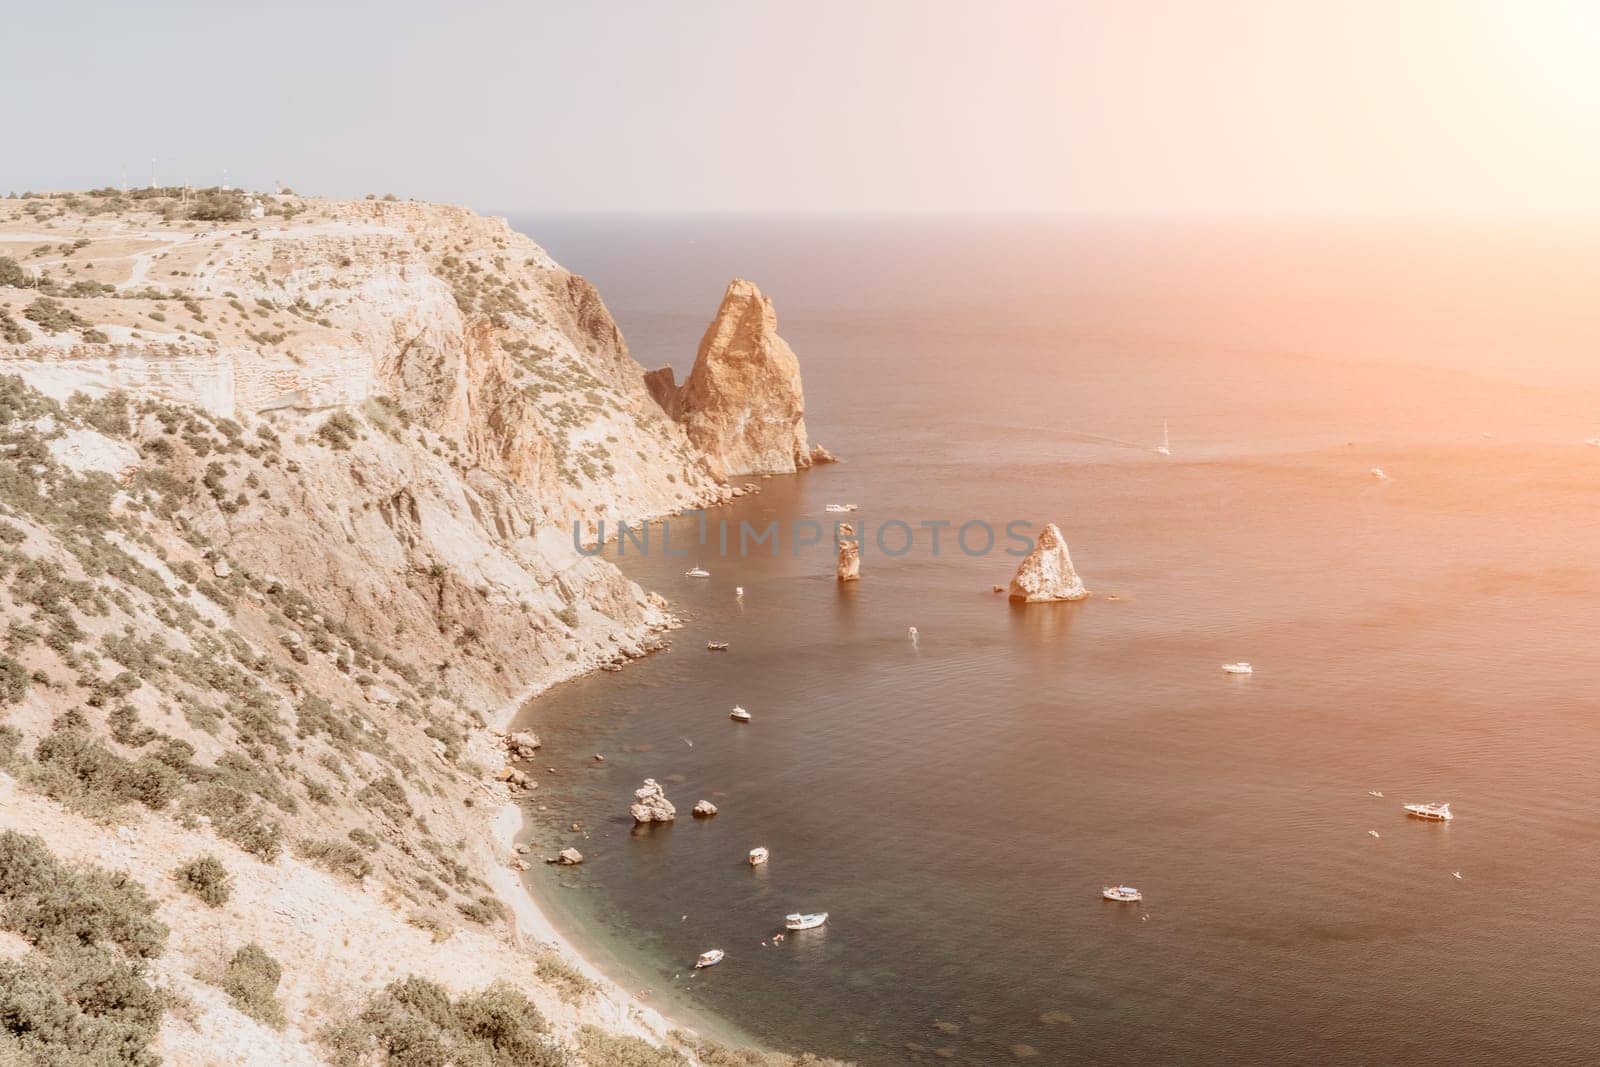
(624, 1012)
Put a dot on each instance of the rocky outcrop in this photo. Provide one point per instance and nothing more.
(650, 804)
(704, 809)
(742, 405)
(568, 857)
(849, 569)
(1047, 573)
(524, 744)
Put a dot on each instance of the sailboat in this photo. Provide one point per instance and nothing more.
(1165, 448)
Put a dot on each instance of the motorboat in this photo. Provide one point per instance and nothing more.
(697, 572)
(758, 856)
(1436, 812)
(1238, 668)
(1165, 447)
(912, 631)
(709, 959)
(840, 508)
(1124, 894)
(1374, 792)
(717, 646)
(800, 921)
(1378, 473)
(1372, 833)
(738, 714)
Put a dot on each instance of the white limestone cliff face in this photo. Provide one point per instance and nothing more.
(742, 406)
(1047, 573)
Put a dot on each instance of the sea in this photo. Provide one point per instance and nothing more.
(957, 802)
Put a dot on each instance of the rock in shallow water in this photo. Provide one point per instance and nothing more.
(650, 804)
(705, 808)
(1047, 573)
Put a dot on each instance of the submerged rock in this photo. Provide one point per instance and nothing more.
(568, 857)
(849, 569)
(650, 804)
(742, 405)
(705, 808)
(1047, 572)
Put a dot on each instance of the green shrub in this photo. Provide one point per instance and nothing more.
(336, 856)
(571, 984)
(340, 429)
(11, 274)
(79, 1008)
(206, 878)
(414, 1023)
(251, 982)
(616, 1050)
(76, 769)
(54, 905)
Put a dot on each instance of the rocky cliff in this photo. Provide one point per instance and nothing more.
(285, 529)
(742, 405)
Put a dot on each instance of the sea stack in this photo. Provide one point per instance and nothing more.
(1047, 574)
(650, 804)
(849, 553)
(742, 405)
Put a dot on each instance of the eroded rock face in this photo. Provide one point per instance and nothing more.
(1047, 572)
(849, 569)
(742, 405)
(650, 804)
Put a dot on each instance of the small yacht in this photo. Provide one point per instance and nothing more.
(1372, 833)
(1377, 472)
(717, 646)
(738, 591)
(1437, 812)
(1592, 441)
(1374, 792)
(839, 508)
(1125, 894)
(799, 921)
(697, 572)
(1165, 448)
(709, 959)
(912, 630)
(1238, 668)
(758, 856)
(738, 714)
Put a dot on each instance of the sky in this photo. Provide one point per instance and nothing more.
(1146, 107)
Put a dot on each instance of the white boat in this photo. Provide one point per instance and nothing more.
(1125, 894)
(1372, 833)
(799, 921)
(709, 959)
(697, 572)
(1437, 812)
(1377, 472)
(758, 856)
(1594, 441)
(912, 630)
(738, 714)
(1374, 792)
(839, 508)
(1238, 668)
(1165, 448)
(717, 646)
